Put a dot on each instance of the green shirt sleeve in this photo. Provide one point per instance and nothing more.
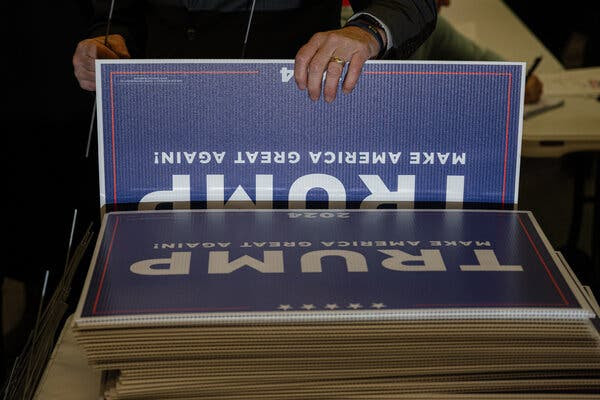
(448, 44)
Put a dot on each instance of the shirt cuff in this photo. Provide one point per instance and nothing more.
(388, 33)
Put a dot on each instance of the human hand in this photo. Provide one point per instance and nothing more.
(88, 50)
(533, 89)
(351, 44)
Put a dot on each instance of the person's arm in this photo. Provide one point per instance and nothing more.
(402, 25)
(89, 50)
(447, 43)
(126, 38)
(408, 23)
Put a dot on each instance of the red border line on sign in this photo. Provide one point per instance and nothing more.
(504, 176)
(506, 139)
(537, 252)
(565, 302)
(159, 310)
(112, 123)
(191, 309)
(433, 73)
(101, 284)
(185, 72)
(487, 305)
(112, 105)
(509, 74)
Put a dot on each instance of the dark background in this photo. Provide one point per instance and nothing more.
(47, 117)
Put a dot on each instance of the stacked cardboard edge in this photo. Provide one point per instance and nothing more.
(202, 325)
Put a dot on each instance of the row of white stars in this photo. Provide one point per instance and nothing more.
(353, 306)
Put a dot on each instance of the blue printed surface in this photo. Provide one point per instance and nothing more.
(195, 126)
(394, 260)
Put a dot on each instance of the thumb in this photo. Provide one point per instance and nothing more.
(117, 44)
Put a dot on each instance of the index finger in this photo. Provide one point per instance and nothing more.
(302, 60)
(353, 73)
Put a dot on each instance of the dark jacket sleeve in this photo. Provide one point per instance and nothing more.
(409, 21)
(128, 21)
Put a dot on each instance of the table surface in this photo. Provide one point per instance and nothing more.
(491, 24)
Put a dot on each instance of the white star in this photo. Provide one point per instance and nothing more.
(377, 305)
(354, 306)
(308, 306)
(284, 307)
(331, 306)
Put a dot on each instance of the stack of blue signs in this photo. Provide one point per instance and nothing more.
(307, 261)
(336, 304)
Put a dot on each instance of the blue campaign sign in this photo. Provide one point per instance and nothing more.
(277, 265)
(221, 134)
